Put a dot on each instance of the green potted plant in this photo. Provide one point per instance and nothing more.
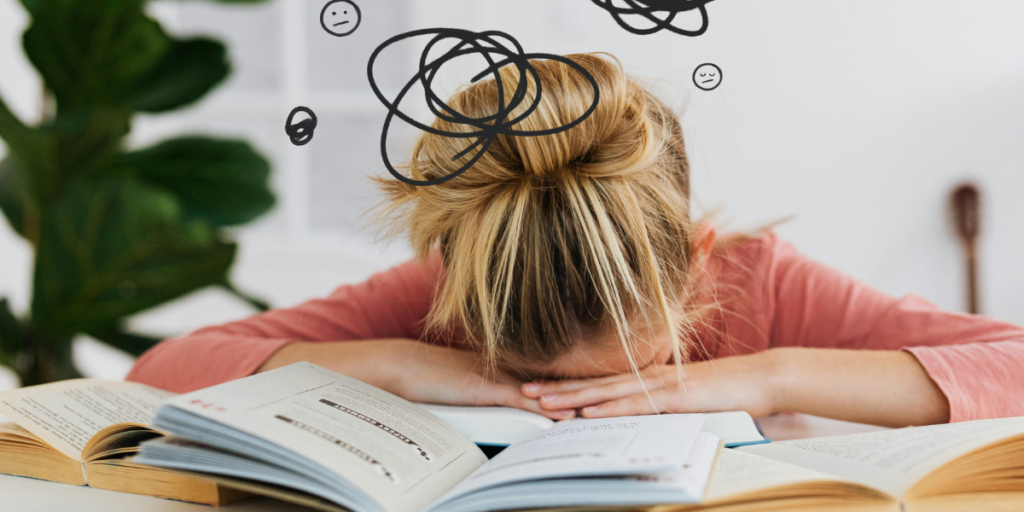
(116, 231)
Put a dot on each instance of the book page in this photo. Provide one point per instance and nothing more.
(496, 413)
(582, 447)
(736, 428)
(684, 484)
(693, 476)
(491, 425)
(400, 455)
(890, 460)
(739, 472)
(67, 414)
(506, 425)
(13, 430)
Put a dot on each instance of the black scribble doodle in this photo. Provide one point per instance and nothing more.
(499, 50)
(340, 17)
(416, 447)
(377, 465)
(660, 12)
(707, 76)
(301, 132)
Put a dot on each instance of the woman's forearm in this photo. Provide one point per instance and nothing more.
(367, 360)
(887, 388)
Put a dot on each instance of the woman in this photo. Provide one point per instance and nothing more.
(563, 275)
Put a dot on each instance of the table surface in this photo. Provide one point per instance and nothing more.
(28, 495)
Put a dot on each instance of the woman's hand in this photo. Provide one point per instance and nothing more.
(422, 372)
(726, 384)
(416, 371)
(879, 387)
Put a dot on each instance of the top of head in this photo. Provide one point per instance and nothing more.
(602, 207)
(602, 145)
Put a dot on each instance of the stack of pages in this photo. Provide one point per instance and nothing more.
(502, 426)
(344, 443)
(80, 432)
(316, 437)
(311, 436)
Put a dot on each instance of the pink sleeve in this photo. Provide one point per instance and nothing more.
(976, 361)
(390, 304)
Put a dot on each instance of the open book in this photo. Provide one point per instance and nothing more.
(80, 431)
(977, 465)
(502, 426)
(316, 437)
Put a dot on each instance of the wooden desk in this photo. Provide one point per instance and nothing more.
(27, 495)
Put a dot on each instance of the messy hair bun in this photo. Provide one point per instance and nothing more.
(548, 241)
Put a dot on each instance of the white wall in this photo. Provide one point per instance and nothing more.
(857, 118)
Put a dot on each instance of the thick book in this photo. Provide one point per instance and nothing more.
(975, 465)
(315, 437)
(501, 426)
(80, 432)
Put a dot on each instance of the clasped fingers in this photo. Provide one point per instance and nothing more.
(657, 401)
(600, 393)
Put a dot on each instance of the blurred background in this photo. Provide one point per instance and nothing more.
(855, 118)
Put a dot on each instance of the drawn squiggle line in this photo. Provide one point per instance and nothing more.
(487, 128)
(650, 8)
(301, 132)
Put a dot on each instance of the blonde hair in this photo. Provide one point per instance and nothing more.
(549, 240)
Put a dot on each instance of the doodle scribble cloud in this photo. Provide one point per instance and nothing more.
(662, 13)
(300, 132)
(499, 50)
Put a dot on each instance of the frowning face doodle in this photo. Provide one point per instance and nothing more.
(340, 18)
(707, 76)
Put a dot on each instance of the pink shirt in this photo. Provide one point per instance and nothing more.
(772, 296)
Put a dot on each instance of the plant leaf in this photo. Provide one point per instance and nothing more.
(93, 53)
(16, 201)
(224, 182)
(105, 53)
(111, 248)
(188, 71)
(11, 335)
(32, 6)
(22, 141)
(115, 336)
(81, 141)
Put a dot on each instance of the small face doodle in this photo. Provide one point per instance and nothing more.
(340, 17)
(707, 77)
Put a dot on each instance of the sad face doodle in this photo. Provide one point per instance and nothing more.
(340, 18)
(707, 76)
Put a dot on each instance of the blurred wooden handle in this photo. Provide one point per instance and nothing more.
(972, 280)
(967, 216)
